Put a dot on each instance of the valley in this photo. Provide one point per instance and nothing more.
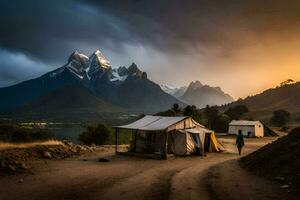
(121, 177)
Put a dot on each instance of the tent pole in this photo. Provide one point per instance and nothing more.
(166, 150)
(116, 140)
(135, 133)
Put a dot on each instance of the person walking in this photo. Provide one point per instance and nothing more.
(240, 141)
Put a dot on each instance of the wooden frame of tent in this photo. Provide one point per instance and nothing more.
(157, 130)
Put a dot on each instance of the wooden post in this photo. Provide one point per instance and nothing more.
(135, 135)
(166, 148)
(116, 140)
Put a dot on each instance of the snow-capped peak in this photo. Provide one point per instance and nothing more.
(115, 76)
(101, 59)
(97, 67)
(169, 89)
(98, 63)
(77, 64)
(79, 57)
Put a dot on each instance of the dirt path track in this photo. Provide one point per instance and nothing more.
(123, 177)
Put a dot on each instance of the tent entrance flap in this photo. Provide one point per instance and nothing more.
(196, 140)
(207, 143)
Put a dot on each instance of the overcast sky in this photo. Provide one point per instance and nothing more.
(242, 46)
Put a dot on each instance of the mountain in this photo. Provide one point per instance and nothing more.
(67, 104)
(168, 89)
(176, 92)
(91, 78)
(180, 92)
(262, 106)
(199, 95)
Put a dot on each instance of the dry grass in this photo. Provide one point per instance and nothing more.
(6, 145)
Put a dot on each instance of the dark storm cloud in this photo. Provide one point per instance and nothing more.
(176, 24)
(190, 37)
(50, 30)
(16, 67)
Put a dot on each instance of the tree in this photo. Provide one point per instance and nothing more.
(194, 113)
(236, 112)
(95, 135)
(280, 117)
(211, 114)
(169, 113)
(287, 82)
(190, 110)
(221, 123)
(176, 108)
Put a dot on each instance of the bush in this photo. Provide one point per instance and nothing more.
(169, 113)
(31, 135)
(95, 135)
(280, 117)
(221, 123)
(211, 113)
(194, 113)
(237, 112)
(7, 129)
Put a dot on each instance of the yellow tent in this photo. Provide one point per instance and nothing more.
(215, 145)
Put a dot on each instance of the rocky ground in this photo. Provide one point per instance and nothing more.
(19, 159)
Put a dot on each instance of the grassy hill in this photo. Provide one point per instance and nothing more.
(68, 104)
(262, 106)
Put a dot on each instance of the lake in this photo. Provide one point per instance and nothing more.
(68, 132)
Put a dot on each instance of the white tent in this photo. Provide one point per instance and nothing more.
(153, 123)
(177, 135)
(248, 128)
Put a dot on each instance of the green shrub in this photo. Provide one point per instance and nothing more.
(280, 117)
(95, 135)
(30, 135)
(236, 112)
(221, 123)
(7, 129)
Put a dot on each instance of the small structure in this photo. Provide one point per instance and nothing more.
(160, 135)
(248, 128)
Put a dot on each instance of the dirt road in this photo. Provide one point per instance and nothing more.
(124, 177)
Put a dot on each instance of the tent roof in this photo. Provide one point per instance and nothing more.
(244, 123)
(195, 130)
(153, 123)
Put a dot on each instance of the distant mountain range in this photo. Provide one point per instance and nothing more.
(88, 88)
(262, 106)
(199, 95)
(85, 86)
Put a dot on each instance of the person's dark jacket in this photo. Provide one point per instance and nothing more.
(240, 140)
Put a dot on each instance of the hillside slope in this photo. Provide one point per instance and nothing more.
(67, 104)
(20, 94)
(262, 105)
(279, 160)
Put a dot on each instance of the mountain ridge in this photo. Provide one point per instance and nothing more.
(199, 94)
(128, 88)
(261, 106)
